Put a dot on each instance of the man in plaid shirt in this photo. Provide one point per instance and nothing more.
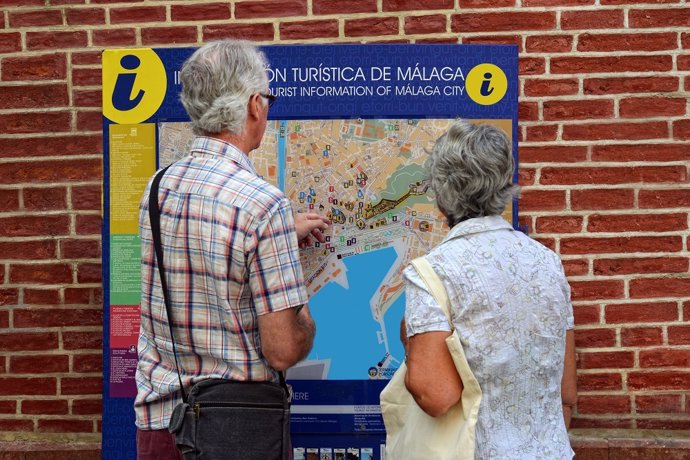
(230, 239)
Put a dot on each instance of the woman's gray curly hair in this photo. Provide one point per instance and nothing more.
(217, 81)
(471, 169)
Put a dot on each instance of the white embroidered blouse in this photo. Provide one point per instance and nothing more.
(510, 303)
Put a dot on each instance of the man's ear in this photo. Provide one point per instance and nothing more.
(254, 106)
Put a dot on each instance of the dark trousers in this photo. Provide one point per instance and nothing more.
(156, 445)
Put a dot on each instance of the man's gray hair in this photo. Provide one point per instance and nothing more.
(217, 82)
(471, 169)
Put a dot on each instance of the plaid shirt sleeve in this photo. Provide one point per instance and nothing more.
(275, 272)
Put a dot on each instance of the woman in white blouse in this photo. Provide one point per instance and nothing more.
(510, 303)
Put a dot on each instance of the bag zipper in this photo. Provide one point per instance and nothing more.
(198, 405)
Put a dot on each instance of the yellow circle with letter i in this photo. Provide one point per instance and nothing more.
(486, 84)
(134, 85)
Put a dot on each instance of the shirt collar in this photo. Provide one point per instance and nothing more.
(211, 146)
(477, 225)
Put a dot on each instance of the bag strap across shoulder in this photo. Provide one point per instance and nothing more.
(436, 288)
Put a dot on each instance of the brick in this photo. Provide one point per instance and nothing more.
(602, 199)
(549, 87)
(486, 3)
(80, 249)
(81, 385)
(576, 267)
(8, 296)
(611, 64)
(57, 317)
(663, 380)
(592, 290)
(64, 426)
(52, 40)
(616, 131)
(494, 40)
(88, 225)
(605, 360)
(136, 14)
(526, 177)
(4, 324)
(644, 107)
(42, 67)
(659, 287)
(270, 9)
(82, 340)
(620, 244)
(41, 297)
(586, 314)
(681, 130)
(651, 312)
(200, 12)
(35, 18)
(34, 226)
(35, 122)
(51, 171)
(10, 42)
(87, 363)
(679, 335)
(609, 404)
(86, 197)
(14, 386)
(552, 154)
(664, 357)
(43, 273)
(559, 224)
(531, 66)
(416, 5)
(52, 145)
(87, 98)
(637, 222)
(506, 21)
(338, 7)
(528, 111)
(599, 382)
(8, 407)
(371, 27)
(595, 338)
(89, 273)
(33, 96)
(664, 18)
(665, 424)
(9, 200)
(299, 30)
(6, 3)
(434, 23)
(114, 37)
(16, 425)
(611, 175)
(664, 198)
(85, 16)
(641, 336)
(549, 44)
(255, 32)
(78, 295)
(578, 110)
(28, 341)
(627, 42)
(627, 266)
(168, 35)
(592, 19)
(45, 407)
(28, 250)
(86, 58)
(90, 120)
(542, 200)
(640, 152)
(86, 77)
(617, 422)
(42, 199)
(39, 364)
(87, 407)
(617, 85)
(542, 133)
(548, 242)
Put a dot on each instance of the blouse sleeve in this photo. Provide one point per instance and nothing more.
(422, 312)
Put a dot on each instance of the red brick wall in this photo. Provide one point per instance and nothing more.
(604, 152)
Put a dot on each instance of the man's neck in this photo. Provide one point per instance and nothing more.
(238, 141)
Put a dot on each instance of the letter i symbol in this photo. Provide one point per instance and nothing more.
(485, 89)
(124, 84)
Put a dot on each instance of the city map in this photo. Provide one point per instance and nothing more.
(367, 176)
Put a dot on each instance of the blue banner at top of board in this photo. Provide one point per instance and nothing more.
(366, 81)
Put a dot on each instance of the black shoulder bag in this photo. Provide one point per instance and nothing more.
(222, 418)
